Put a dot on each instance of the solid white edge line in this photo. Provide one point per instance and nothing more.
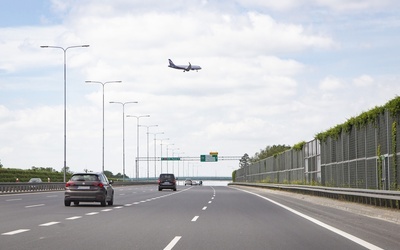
(16, 232)
(321, 224)
(173, 243)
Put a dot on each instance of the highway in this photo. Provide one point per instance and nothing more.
(194, 217)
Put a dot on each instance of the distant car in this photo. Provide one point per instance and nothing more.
(166, 181)
(194, 183)
(188, 182)
(89, 187)
(35, 180)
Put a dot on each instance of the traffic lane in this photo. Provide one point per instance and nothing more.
(238, 220)
(30, 210)
(377, 231)
(141, 224)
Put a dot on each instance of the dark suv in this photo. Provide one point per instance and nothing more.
(167, 181)
(89, 187)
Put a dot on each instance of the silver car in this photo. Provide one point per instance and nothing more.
(89, 187)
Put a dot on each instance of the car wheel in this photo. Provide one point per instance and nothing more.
(174, 189)
(111, 202)
(67, 203)
(159, 189)
(76, 202)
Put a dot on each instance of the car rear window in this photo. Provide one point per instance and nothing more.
(167, 176)
(85, 177)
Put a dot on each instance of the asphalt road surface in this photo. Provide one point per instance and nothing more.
(198, 217)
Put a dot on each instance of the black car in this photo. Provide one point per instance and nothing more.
(166, 181)
(89, 187)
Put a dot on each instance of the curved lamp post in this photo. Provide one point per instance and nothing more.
(65, 97)
(123, 135)
(137, 141)
(103, 83)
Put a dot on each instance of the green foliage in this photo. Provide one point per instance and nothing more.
(10, 175)
(244, 161)
(299, 146)
(1, 165)
(269, 151)
(369, 117)
(234, 175)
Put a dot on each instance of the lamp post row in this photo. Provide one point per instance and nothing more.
(123, 120)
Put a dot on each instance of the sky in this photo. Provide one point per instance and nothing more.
(273, 72)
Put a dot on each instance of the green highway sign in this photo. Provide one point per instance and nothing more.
(208, 158)
(170, 158)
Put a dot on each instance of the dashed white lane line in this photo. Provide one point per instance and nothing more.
(14, 200)
(195, 218)
(92, 213)
(38, 205)
(107, 210)
(16, 232)
(173, 243)
(204, 208)
(74, 218)
(49, 224)
(209, 202)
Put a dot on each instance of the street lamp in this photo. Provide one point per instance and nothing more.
(148, 126)
(161, 150)
(65, 97)
(137, 141)
(173, 161)
(103, 83)
(155, 152)
(123, 135)
(167, 153)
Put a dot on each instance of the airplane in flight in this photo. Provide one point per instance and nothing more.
(183, 67)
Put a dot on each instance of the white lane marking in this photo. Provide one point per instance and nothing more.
(38, 205)
(118, 207)
(204, 208)
(92, 213)
(51, 196)
(209, 202)
(49, 224)
(14, 200)
(195, 218)
(212, 198)
(321, 224)
(106, 210)
(74, 218)
(135, 203)
(128, 205)
(173, 243)
(16, 232)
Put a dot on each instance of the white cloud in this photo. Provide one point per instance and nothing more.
(331, 83)
(363, 81)
(255, 89)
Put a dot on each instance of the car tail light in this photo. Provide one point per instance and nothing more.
(70, 183)
(98, 184)
(159, 181)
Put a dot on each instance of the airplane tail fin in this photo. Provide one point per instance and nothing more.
(171, 63)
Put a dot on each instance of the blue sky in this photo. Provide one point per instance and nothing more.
(274, 72)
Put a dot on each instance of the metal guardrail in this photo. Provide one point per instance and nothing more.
(25, 187)
(380, 198)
